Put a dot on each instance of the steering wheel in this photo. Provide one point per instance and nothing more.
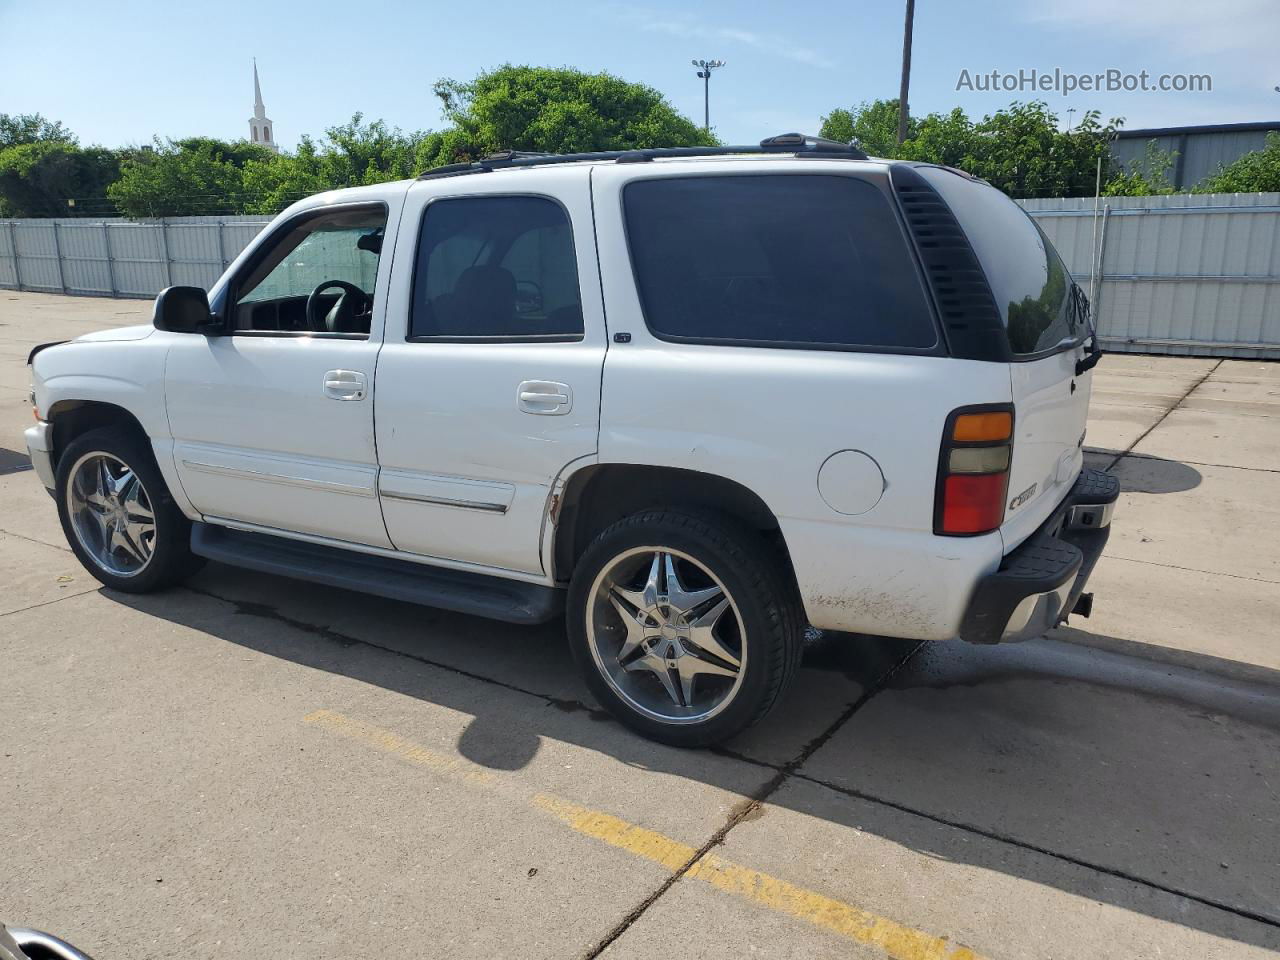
(343, 315)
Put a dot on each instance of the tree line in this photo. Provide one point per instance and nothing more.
(1024, 151)
(45, 172)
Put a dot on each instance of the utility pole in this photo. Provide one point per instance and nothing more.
(704, 74)
(906, 71)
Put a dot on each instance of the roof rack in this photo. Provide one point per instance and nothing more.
(801, 145)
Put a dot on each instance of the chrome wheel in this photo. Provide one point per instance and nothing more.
(111, 514)
(666, 635)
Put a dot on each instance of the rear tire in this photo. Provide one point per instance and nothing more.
(699, 598)
(118, 515)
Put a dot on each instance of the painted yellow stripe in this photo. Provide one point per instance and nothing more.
(835, 916)
(388, 742)
(618, 833)
(896, 940)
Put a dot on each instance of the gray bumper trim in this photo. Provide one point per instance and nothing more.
(40, 447)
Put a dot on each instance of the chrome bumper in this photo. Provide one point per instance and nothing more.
(40, 447)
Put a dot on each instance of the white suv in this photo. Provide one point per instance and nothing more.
(694, 398)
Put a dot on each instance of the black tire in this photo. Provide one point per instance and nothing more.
(754, 576)
(171, 560)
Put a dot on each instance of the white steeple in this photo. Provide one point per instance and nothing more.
(261, 129)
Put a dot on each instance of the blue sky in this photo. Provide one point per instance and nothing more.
(119, 73)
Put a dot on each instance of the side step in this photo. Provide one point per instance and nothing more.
(461, 591)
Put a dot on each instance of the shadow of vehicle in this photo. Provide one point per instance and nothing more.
(1143, 473)
(1076, 768)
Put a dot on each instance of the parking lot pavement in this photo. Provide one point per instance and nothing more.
(251, 764)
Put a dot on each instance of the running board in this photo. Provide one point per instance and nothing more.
(459, 590)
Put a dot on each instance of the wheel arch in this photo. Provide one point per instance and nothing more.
(74, 418)
(599, 494)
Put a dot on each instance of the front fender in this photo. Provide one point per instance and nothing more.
(124, 374)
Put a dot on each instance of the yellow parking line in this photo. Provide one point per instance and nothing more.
(835, 916)
(388, 742)
(901, 942)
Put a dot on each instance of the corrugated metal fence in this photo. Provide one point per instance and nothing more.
(1194, 274)
(120, 258)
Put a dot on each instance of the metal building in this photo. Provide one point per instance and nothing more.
(1201, 151)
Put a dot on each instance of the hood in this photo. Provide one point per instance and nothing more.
(139, 332)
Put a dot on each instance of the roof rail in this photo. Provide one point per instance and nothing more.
(801, 145)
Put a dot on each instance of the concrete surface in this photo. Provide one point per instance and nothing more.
(251, 765)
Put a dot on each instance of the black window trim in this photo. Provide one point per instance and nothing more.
(484, 338)
(939, 347)
(231, 289)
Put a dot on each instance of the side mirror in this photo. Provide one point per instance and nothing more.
(184, 310)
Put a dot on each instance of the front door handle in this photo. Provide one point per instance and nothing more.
(345, 385)
(545, 397)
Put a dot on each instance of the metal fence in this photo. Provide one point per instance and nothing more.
(1194, 274)
(120, 258)
(1191, 274)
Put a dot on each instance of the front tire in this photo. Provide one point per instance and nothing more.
(684, 626)
(118, 516)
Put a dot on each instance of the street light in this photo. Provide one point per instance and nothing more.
(704, 74)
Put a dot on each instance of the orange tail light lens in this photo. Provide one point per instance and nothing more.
(994, 427)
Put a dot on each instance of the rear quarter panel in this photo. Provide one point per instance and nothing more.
(769, 418)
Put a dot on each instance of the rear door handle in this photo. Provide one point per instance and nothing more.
(545, 397)
(345, 385)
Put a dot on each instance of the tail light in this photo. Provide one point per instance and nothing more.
(973, 470)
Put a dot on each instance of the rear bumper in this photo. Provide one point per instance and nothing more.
(40, 447)
(1040, 582)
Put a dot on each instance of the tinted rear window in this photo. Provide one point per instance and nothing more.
(1030, 282)
(793, 260)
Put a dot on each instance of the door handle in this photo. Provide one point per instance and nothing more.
(545, 397)
(345, 385)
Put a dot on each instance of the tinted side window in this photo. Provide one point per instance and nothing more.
(799, 259)
(1028, 279)
(496, 268)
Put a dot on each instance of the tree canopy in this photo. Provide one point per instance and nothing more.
(557, 110)
(873, 125)
(1256, 172)
(1021, 149)
(19, 129)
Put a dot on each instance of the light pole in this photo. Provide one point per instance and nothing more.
(704, 74)
(1070, 115)
(906, 71)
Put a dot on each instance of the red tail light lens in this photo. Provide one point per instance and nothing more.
(973, 471)
(973, 504)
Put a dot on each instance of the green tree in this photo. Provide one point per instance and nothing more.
(41, 178)
(1256, 172)
(352, 154)
(874, 125)
(1144, 177)
(556, 110)
(199, 175)
(22, 128)
(1020, 149)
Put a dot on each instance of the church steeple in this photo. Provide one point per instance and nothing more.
(260, 128)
